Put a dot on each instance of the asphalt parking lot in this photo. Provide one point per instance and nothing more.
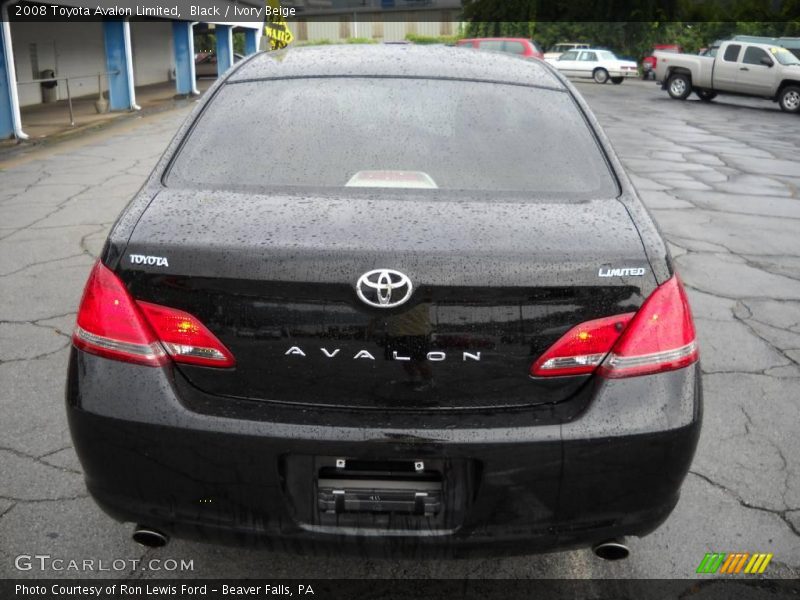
(723, 182)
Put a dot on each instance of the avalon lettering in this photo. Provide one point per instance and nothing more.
(434, 356)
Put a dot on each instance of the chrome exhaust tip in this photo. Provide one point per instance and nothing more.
(147, 536)
(615, 549)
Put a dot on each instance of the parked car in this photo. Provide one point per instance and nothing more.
(559, 49)
(564, 410)
(519, 46)
(593, 63)
(205, 63)
(649, 62)
(749, 69)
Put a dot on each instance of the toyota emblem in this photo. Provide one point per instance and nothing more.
(384, 288)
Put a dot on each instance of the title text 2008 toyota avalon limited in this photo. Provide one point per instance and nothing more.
(400, 300)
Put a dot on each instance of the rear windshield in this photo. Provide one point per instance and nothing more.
(426, 134)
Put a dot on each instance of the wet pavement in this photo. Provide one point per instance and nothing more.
(722, 180)
(52, 120)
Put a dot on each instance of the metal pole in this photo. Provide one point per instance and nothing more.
(69, 101)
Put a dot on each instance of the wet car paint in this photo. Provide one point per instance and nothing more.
(522, 459)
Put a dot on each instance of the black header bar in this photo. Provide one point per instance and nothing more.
(472, 11)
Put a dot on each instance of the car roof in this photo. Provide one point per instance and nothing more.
(592, 50)
(444, 62)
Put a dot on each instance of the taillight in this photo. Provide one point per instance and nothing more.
(111, 324)
(185, 338)
(659, 337)
(582, 348)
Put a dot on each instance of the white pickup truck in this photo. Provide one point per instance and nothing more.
(746, 69)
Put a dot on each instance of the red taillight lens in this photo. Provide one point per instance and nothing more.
(582, 348)
(659, 337)
(185, 338)
(111, 324)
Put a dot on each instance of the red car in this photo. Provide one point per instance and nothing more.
(649, 62)
(519, 46)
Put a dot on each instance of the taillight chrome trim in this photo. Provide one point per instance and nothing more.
(571, 362)
(148, 354)
(178, 351)
(620, 366)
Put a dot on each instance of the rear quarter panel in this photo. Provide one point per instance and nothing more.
(700, 67)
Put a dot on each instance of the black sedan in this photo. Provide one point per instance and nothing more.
(393, 299)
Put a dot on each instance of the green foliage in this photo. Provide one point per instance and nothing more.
(644, 11)
(320, 42)
(433, 39)
(238, 42)
(360, 40)
(693, 24)
(634, 39)
(205, 42)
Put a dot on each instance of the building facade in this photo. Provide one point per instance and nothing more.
(110, 56)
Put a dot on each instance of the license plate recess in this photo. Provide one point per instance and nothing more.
(400, 487)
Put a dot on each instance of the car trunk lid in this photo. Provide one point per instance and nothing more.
(495, 283)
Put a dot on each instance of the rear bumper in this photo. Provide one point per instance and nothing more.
(521, 488)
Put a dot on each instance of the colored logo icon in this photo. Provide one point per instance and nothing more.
(734, 563)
